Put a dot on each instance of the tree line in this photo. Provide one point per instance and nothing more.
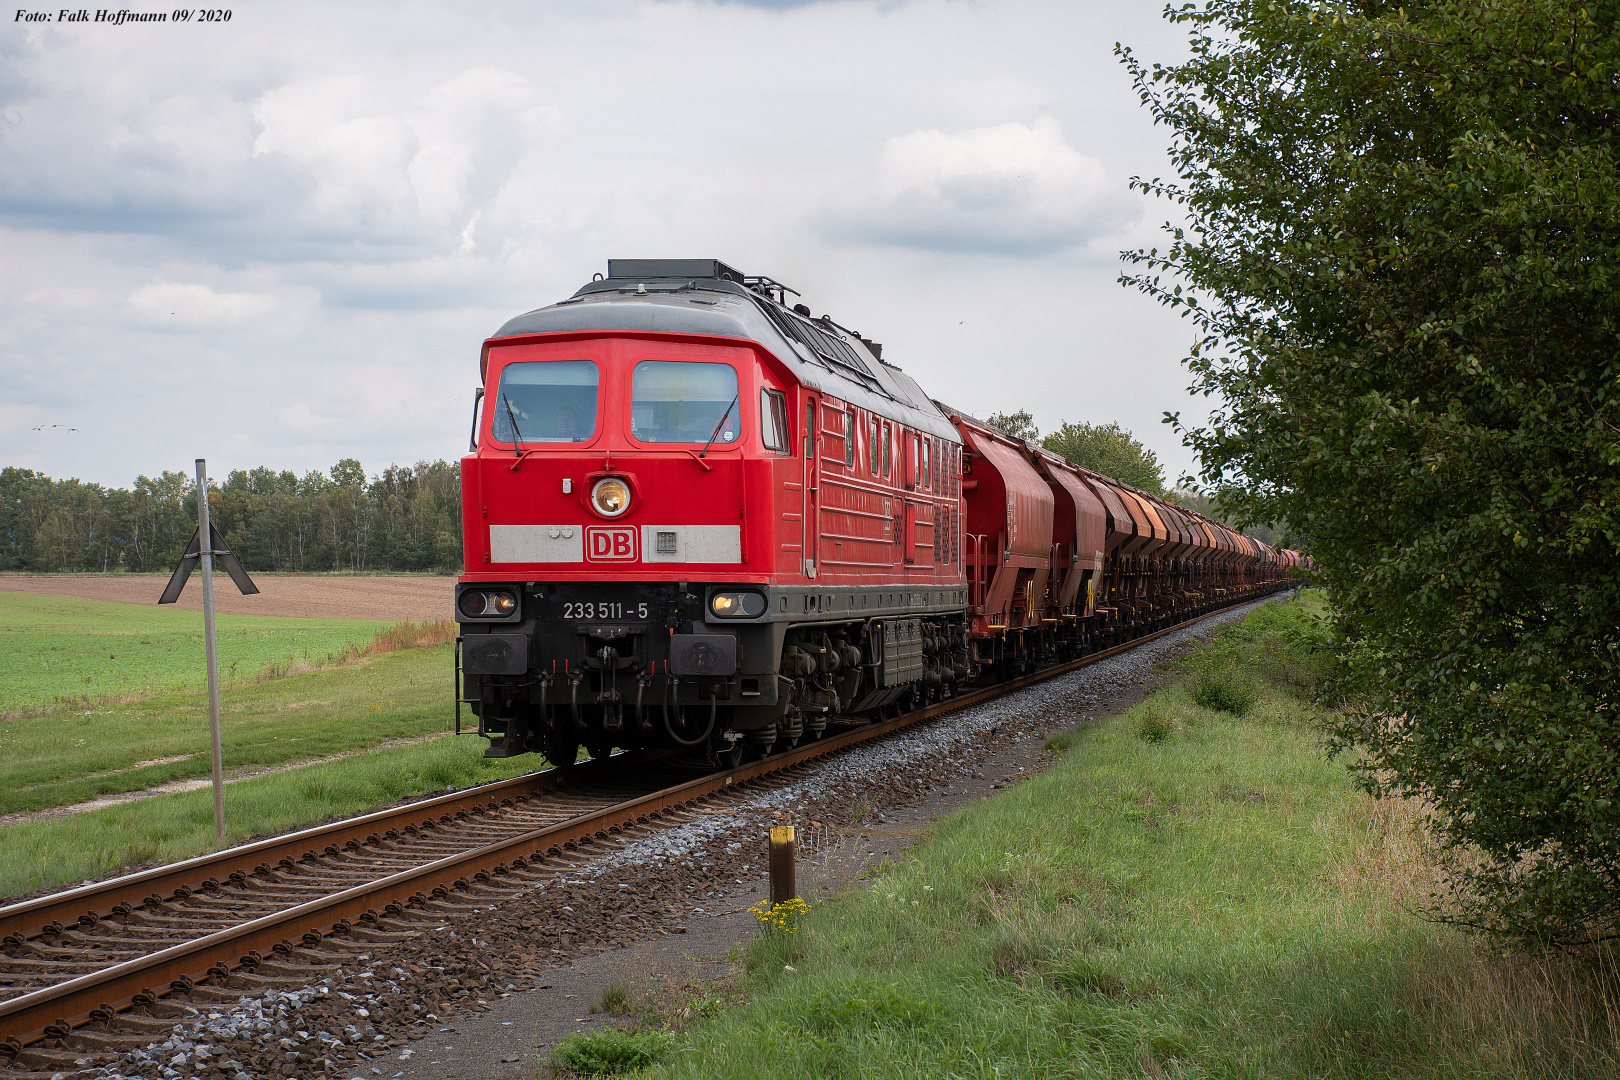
(407, 517)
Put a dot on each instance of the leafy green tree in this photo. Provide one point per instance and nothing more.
(1110, 450)
(25, 496)
(1402, 250)
(162, 517)
(1015, 425)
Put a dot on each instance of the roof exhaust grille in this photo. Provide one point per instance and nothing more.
(651, 269)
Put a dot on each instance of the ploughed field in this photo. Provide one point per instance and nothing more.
(382, 597)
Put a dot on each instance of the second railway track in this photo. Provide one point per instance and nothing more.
(263, 915)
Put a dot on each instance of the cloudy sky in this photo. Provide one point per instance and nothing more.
(279, 240)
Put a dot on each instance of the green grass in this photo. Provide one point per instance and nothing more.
(611, 1052)
(71, 755)
(1190, 892)
(56, 649)
(166, 828)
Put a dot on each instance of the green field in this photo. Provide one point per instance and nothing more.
(57, 650)
(69, 755)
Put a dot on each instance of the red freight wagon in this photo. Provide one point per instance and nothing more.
(1079, 537)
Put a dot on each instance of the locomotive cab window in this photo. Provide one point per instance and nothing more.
(773, 424)
(675, 401)
(873, 445)
(545, 401)
(849, 439)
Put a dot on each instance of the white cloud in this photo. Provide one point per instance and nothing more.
(181, 306)
(1013, 189)
(422, 172)
(339, 133)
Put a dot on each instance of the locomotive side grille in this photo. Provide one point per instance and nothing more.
(902, 652)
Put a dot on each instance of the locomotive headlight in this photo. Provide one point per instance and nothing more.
(737, 605)
(487, 603)
(610, 496)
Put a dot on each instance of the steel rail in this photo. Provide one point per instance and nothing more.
(29, 918)
(27, 1018)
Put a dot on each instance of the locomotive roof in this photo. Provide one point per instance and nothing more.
(705, 296)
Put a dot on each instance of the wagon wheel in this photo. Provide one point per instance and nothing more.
(730, 755)
(562, 747)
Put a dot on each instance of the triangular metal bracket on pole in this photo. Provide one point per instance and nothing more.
(196, 553)
(188, 562)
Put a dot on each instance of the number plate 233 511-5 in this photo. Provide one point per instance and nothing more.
(589, 610)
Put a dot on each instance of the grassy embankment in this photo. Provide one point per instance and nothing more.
(378, 685)
(1192, 891)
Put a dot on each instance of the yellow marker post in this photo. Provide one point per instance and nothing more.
(783, 851)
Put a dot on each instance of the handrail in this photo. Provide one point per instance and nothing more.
(976, 587)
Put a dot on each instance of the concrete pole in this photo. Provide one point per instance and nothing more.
(205, 547)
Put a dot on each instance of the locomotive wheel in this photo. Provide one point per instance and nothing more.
(561, 747)
(600, 750)
(730, 756)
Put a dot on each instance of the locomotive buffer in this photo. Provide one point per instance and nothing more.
(244, 584)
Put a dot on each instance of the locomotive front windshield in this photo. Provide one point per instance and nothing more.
(676, 401)
(546, 401)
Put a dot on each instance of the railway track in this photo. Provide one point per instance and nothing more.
(102, 968)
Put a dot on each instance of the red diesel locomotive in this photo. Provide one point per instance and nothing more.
(694, 515)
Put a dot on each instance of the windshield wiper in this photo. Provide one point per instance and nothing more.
(713, 434)
(517, 436)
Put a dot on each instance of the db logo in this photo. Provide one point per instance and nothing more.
(611, 543)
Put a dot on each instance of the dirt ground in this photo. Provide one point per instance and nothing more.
(390, 597)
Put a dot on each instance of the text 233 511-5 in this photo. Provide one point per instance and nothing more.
(604, 611)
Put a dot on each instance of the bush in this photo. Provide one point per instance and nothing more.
(612, 1051)
(1224, 686)
(1154, 726)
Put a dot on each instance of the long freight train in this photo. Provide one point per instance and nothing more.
(695, 515)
